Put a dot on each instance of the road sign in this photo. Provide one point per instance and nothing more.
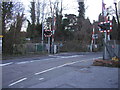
(105, 26)
(95, 36)
(47, 33)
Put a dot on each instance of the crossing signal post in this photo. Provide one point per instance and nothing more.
(105, 27)
(48, 34)
(93, 41)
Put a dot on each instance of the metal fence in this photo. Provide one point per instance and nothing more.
(28, 48)
(112, 49)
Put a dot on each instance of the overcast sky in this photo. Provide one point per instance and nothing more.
(93, 7)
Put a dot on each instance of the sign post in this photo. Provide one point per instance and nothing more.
(105, 27)
(48, 45)
(48, 34)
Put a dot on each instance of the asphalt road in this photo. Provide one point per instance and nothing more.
(66, 70)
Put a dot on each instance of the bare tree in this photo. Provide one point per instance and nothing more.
(6, 14)
(38, 11)
(118, 28)
(32, 11)
(12, 19)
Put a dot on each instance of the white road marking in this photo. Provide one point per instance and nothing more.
(48, 69)
(65, 56)
(58, 57)
(41, 78)
(23, 62)
(6, 64)
(31, 61)
(97, 58)
(50, 55)
(71, 56)
(41, 60)
(63, 66)
(17, 82)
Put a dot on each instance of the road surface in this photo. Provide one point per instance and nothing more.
(66, 70)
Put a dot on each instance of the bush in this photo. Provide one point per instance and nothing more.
(73, 46)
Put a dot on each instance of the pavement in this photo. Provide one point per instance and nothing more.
(65, 70)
